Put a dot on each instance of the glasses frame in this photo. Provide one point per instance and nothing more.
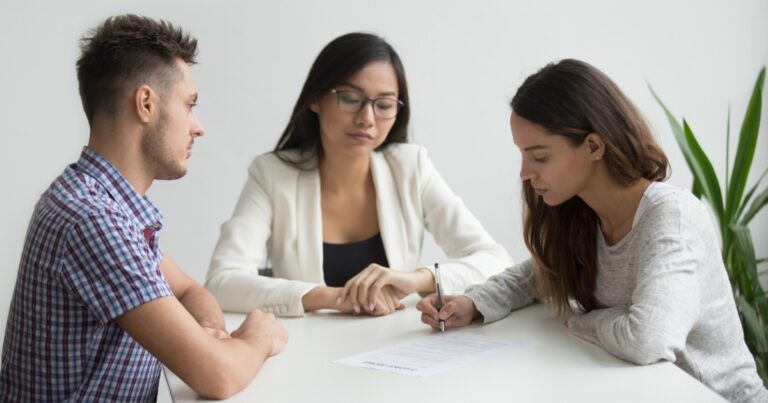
(366, 101)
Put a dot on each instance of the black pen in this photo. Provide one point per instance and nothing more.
(439, 296)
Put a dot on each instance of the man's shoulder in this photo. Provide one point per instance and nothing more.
(75, 198)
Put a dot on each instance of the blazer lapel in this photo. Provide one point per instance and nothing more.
(310, 227)
(391, 224)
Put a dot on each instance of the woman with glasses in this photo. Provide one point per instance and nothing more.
(632, 262)
(341, 205)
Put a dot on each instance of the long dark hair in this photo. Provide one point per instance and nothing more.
(573, 99)
(339, 60)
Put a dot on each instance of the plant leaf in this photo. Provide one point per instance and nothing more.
(703, 171)
(752, 324)
(727, 148)
(698, 162)
(749, 195)
(760, 201)
(745, 151)
(746, 251)
(761, 304)
(696, 189)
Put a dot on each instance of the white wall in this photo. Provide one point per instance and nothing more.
(464, 61)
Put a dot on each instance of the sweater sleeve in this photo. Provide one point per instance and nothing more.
(664, 307)
(474, 255)
(511, 289)
(233, 277)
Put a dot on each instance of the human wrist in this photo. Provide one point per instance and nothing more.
(320, 297)
(476, 314)
(425, 280)
(258, 343)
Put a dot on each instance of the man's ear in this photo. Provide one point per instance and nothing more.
(145, 103)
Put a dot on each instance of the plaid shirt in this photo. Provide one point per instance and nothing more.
(90, 255)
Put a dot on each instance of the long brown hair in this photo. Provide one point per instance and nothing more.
(573, 99)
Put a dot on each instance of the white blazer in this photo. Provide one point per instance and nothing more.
(279, 214)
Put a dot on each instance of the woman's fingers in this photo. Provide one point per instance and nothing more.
(427, 305)
(449, 309)
(430, 320)
(376, 287)
(367, 296)
(456, 312)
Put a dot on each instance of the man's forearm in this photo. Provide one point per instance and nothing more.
(203, 307)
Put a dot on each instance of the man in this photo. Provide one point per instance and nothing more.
(96, 303)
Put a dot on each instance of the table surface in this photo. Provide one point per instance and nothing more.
(555, 367)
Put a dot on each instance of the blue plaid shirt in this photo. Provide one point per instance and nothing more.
(90, 255)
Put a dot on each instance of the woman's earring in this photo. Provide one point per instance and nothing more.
(597, 158)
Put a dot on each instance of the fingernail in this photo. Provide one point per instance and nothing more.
(356, 309)
(370, 307)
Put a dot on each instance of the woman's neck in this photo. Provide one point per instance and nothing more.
(615, 206)
(342, 174)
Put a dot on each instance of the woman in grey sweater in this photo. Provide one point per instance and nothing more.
(632, 262)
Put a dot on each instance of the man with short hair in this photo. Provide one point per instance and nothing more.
(97, 303)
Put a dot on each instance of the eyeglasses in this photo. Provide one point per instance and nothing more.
(354, 101)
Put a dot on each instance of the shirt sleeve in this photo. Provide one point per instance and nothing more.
(474, 255)
(109, 266)
(664, 307)
(511, 289)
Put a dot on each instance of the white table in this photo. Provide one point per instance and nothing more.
(558, 368)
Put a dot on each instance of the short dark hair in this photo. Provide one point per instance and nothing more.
(339, 60)
(126, 51)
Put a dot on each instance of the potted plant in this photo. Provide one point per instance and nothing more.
(734, 210)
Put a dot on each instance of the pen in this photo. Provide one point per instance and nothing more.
(439, 296)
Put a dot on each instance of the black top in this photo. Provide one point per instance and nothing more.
(343, 261)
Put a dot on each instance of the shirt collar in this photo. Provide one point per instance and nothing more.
(141, 208)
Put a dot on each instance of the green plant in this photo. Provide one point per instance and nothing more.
(733, 211)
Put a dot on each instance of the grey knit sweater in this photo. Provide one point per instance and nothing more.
(664, 295)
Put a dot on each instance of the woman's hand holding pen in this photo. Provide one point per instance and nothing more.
(365, 288)
(457, 311)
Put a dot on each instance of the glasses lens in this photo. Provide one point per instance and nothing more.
(385, 107)
(349, 101)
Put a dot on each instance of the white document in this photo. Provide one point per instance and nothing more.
(428, 355)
